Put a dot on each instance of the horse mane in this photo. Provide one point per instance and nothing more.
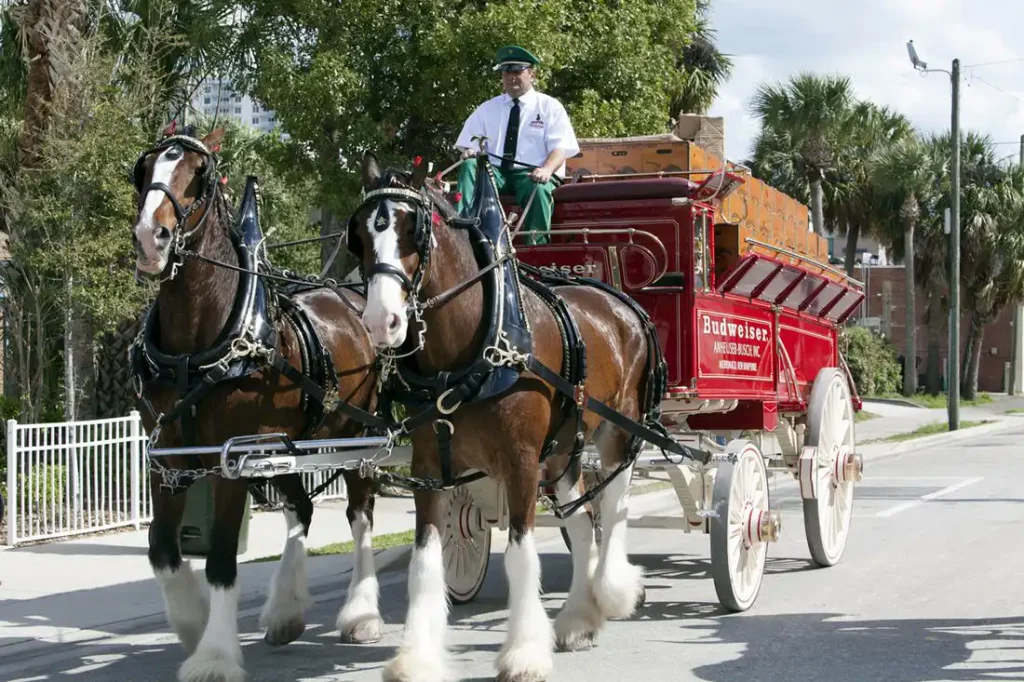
(393, 177)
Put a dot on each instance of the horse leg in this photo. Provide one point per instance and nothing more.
(618, 584)
(359, 620)
(185, 603)
(219, 655)
(288, 596)
(527, 653)
(580, 619)
(421, 655)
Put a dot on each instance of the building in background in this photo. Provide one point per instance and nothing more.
(217, 97)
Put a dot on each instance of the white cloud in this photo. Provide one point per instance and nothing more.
(775, 39)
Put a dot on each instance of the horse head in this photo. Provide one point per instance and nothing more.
(175, 179)
(391, 234)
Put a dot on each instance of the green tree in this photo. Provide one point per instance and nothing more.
(400, 78)
(703, 68)
(805, 117)
(902, 185)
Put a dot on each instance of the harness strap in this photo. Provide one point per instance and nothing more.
(332, 404)
(612, 415)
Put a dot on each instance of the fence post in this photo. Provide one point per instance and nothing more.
(136, 469)
(12, 482)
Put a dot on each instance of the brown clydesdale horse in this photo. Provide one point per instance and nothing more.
(411, 252)
(184, 232)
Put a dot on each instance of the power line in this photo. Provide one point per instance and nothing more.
(989, 64)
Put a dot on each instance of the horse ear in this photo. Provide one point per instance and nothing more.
(213, 139)
(419, 171)
(371, 171)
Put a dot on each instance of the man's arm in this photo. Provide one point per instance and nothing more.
(551, 164)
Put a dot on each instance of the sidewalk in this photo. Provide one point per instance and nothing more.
(894, 419)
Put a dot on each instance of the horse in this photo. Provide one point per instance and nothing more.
(445, 300)
(223, 354)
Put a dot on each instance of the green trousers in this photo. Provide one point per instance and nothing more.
(538, 219)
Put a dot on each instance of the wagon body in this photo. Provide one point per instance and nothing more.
(744, 334)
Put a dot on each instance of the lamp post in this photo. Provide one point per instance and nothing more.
(953, 372)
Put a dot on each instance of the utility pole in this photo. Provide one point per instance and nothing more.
(954, 260)
(1017, 356)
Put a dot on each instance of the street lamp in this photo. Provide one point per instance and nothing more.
(954, 239)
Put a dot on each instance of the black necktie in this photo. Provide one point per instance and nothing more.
(511, 137)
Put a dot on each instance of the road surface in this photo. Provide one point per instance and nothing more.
(931, 588)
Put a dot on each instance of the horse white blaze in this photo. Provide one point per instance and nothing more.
(385, 314)
(185, 603)
(361, 611)
(579, 619)
(219, 654)
(527, 651)
(289, 589)
(154, 251)
(421, 657)
(618, 584)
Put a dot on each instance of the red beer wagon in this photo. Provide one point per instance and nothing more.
(755, 372)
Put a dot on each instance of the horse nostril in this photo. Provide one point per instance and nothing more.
(163, 234)
(393, 322)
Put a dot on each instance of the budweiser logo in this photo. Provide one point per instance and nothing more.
(735, 330)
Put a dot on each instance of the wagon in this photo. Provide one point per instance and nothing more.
(756, 376)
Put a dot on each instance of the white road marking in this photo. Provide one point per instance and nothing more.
(891, 511)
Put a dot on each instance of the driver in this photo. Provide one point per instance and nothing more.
(532, 135)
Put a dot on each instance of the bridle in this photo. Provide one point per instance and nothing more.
(205, 200)
(428, 214)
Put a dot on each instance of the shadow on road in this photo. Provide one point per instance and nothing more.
(805, 646)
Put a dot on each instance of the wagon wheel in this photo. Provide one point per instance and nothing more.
(742, 526)
(465, 546)
(830, 429)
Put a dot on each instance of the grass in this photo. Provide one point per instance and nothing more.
(926, 430)
(1015, 410)
(935, 401)
(864, 416)
(385, 541)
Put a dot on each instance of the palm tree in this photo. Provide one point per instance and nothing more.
(903, 183)
(849, 190)
(702, 68)
(808, 114)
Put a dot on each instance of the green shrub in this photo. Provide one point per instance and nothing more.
(872, 359)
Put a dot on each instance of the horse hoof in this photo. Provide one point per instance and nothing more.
(366, 631)
(505, 676)
(212, 665)
(412, 666)
(280, 634)
(576, 642)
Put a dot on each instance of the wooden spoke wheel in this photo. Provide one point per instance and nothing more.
(830, 429)
(742, 526)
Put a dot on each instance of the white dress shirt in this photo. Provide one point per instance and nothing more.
(543, 127)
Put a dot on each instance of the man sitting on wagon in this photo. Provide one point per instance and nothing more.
(532, 154)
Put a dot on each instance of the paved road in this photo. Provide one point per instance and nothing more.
(931, 588)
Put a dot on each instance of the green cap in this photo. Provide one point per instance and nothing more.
(514, 58)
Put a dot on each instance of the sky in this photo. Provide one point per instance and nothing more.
(770, 40)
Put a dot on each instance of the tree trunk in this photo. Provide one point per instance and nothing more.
(969, 390)
(852, 237)
(817, 206)
(910, 323)
(935, 327)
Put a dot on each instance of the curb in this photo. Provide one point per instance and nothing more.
(896, 448)
(893, 401)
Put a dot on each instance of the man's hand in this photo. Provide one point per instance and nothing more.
(540, 175)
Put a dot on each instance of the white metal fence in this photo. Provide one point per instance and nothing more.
(66, 479)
